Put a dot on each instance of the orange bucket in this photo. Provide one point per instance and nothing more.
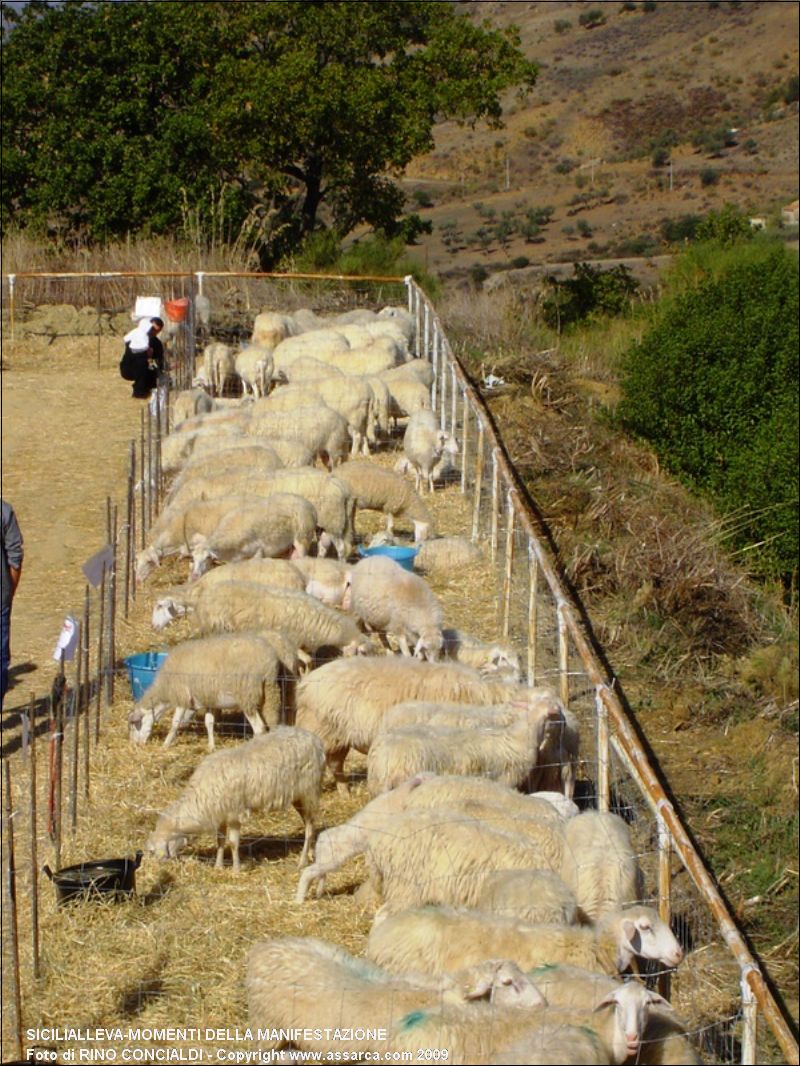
(177, 310)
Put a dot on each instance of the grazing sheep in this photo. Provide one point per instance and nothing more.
(290, 452)
(218, 365)
(271, 327)
(177, 446)
(257, 458)
(305, 369)
(407, 395)
(309, 623)
(372, 359)
(318, 427)
(380, 406)
(270, 772)
(287, 398)
(510, 751)
(444, 857)
(392, 600)
(190, 402)
(600, 865)
(277, 573)
(420, 369)
(227, 529)
(254, 365)
(422, 792)
(444, 939)
(610, 1034)
(325, 579)
(444, 556)
(235, 670)
(424, 443)
(538, 897)
(330, 1001)
(402, 318)
(316, 343)
(375, 488)
(344, 702)
(488, 658)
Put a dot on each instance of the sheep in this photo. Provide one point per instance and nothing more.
(255, 366)
(177, 446)
(420, 369)
(257, 458)
(227, 529)
(291, 453)
(318, 427)
(344, 702)
(487, 658)
(600, 864)
(279, 573)
(445, 556)
(381, 402)
(403, 319)
(610, 1033)
(352, 398)
(218, 364)
(375, 488)
(423, 444)
(234, 670)
(422, 792)
(407, 395)
(445, 939)
(388, 598)
(305, 369)
(190, 402)
(287, 398)
(325, 579)
(330, 1001)
(303, 618)
(367, 360)
(316, 343)
(269, 772)
(271, 327)
(536, 896)
(507, 752)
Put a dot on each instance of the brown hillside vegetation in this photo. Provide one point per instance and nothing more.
(583, 141)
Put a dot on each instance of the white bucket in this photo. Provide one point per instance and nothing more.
(147, 307)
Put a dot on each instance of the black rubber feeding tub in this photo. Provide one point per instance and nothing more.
(113, 879)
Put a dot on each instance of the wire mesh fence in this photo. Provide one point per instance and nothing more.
(719, 989)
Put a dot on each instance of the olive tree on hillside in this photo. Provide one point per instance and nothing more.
(117, 114)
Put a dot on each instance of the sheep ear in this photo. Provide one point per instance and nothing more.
(629, 929)
(608, 1001)
(654, 997)
(135, 717)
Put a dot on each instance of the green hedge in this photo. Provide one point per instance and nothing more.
(713, 386)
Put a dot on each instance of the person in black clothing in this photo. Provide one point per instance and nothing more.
(143, 360)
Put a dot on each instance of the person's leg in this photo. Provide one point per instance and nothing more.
(5, 650)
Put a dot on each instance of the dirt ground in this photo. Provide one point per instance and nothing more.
(67, 418)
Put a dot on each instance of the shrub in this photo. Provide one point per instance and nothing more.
(562, 25)
(649, 5)
(520, 261)
(592, 18)
(713, 386)
(564, 166)
(725, 226)
(677, 230)
(584, 228)
(422, 198)
(590, 291)
(708, 176)
(660, 157)
(628, 6)
(478, 273)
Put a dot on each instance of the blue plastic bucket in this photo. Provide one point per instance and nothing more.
(142, 670)
(402, 555)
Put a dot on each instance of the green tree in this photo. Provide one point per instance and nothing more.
(713, 385)
(302, 112)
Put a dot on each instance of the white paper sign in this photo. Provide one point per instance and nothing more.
(67, 640)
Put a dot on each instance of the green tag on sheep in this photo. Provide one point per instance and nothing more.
(542, 969)
(412, 1019)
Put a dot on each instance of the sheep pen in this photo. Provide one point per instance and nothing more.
(168, 956)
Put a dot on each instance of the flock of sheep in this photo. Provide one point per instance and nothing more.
(504, 916)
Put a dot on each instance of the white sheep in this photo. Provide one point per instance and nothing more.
(190, 402)
(489, 658)
(269, 772)
(218, 365)
(316, 343)
(600, 864)
(256, 458)
(510, 751)
(391, 600)
(228, 529)
(535, 896)
(445, 556)
(445, 939)
(330, 1001)
(423, 792)
(216, 673)
(305, 369)
(402, 318)
(255, 366)
(291, 453)
(319, 428)
(556, 1043)
(325, 579)
(309, 623)
(373, 359)
(407, 395)
(424, 443)
(344, 702)
(420, 369)
(272, 327)
(177, 446)
(375, 488)
(180, 601)
(381, 402)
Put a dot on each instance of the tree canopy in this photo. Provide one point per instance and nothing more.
(119, 115)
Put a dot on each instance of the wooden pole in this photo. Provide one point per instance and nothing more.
(533, 570)
(150, 486)
(476, 497)
(112, 610)
(495, 506)
(76, 731)
(100, 679)
(464, 451)
(664, 890)
(130, 556)
(87, 681)
(13, 928)
(563, 655)
(509, 566)
(142, 483)
(443, 394)
(34, 846)
(453, 401)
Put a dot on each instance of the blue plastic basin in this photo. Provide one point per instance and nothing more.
(402, 555)
(142, 670)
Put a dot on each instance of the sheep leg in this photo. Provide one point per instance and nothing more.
(220, 859)
(234, 835)
(256, 723)
(390, 524)
(177, 722)
(309, 832)
(208, 718)
(403, 645)
(335, 761)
